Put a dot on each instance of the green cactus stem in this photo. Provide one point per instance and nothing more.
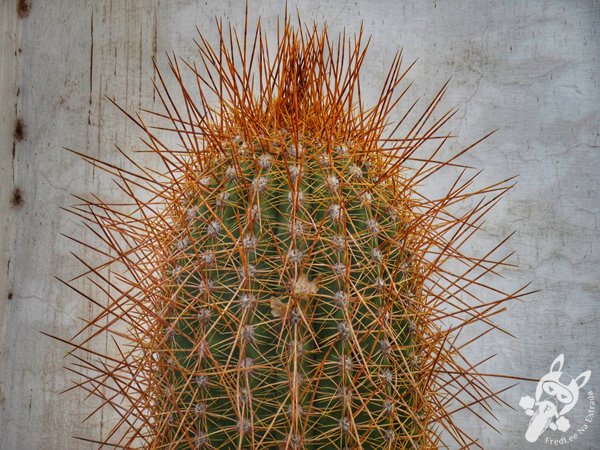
(284, 283)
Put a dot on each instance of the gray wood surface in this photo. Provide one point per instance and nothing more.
(530, 69)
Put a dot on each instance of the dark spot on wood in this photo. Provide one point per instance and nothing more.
(17, 200)
(10, 295)
(23, 8)
(19, 132)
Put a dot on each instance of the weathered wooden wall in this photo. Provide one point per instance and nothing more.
(530, 69)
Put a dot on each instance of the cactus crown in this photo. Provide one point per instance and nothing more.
(285, 285)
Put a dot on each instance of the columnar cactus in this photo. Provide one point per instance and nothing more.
(283, 283)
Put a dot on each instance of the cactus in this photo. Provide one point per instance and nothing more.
(283, 282)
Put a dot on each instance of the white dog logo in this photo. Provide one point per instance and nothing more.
(555, 395)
